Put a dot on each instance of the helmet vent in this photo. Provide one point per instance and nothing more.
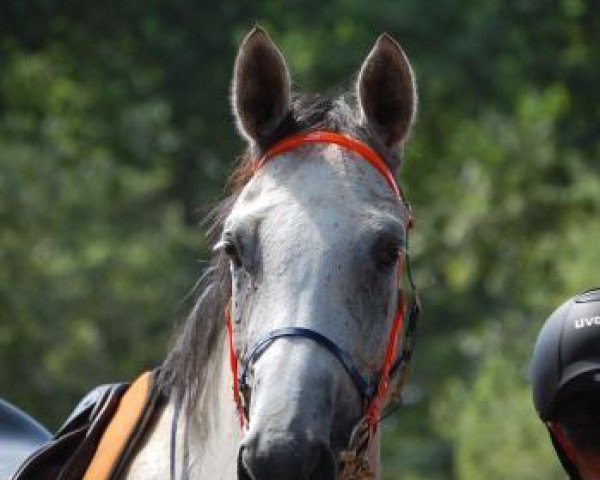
(592, 295)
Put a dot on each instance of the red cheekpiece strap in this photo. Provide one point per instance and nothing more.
(233, 365)
(374, 407)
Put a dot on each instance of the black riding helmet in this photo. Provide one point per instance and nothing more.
(566, 359)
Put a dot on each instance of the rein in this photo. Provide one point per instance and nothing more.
(374, 391)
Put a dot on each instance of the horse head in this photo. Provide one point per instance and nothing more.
(312, 237)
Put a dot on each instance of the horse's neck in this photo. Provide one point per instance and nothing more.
(213, 434)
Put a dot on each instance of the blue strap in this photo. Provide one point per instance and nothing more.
(365, 387)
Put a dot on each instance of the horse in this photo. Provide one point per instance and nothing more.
(283, 366)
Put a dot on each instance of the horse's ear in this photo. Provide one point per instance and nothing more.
(261, 86)
(386, 92)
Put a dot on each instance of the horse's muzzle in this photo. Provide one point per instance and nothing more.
(289, 457)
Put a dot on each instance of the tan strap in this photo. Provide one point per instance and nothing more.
(120, 430)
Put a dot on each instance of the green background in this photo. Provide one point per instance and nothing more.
(116, 137)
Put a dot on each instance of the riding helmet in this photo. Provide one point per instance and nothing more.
(566, 358)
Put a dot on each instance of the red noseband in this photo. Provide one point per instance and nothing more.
(376, 400)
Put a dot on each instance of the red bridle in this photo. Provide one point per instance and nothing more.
(375, 403)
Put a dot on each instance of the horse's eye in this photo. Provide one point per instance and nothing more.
(387, 250)
(388, 254)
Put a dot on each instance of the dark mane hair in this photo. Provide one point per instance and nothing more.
(184, 371)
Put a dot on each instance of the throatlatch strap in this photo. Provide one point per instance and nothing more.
(402, 364)
(121, 430)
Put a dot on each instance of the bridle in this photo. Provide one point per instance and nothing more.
(373, 391)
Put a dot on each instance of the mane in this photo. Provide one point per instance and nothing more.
(184, 371)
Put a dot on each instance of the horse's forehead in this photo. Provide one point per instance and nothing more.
(316, 179)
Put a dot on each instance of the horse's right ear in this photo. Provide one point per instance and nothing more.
(261, 86)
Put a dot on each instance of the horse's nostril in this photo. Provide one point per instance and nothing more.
(294, 459)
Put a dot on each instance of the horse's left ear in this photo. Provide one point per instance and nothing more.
(386, 92)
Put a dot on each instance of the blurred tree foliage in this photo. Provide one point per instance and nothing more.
(115, 135)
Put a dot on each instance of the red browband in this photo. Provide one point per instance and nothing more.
(321, 136)
(374, 406)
